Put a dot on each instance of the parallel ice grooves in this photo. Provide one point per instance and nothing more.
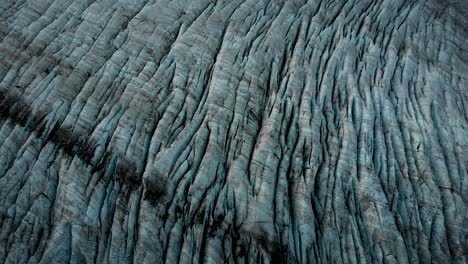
(233, 131)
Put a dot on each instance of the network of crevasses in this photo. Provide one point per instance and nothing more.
(292, 137)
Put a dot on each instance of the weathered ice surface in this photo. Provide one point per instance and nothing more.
(233, 131)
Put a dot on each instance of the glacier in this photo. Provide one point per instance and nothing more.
(233, 131)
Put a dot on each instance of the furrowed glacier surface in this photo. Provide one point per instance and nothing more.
(233, 131)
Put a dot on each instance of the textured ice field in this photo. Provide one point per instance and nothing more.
(236, 131)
